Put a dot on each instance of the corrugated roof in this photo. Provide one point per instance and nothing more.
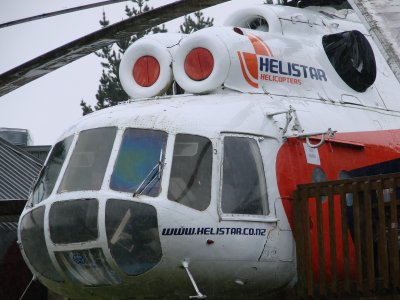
(18, 170)
(8, 223)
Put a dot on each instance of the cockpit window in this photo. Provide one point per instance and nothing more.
(190, 182)
(139, 163)
(88, 163)
(49, 174)
(243, 181)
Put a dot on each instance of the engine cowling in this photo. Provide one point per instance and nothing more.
(201, 63)
(146, 67)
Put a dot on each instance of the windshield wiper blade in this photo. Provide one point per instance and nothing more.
(149, 177)
(140, 190)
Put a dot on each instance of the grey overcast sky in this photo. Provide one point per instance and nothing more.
(50, 104)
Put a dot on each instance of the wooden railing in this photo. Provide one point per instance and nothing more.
(347, 236)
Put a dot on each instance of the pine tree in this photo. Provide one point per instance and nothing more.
(189, 25)
(110, 91)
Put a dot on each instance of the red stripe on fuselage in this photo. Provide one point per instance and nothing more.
(346, 152)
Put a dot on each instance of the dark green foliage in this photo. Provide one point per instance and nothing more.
(110, 91)
(190, 25)
(86, 108)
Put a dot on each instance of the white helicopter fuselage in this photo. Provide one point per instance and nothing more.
(152, 239)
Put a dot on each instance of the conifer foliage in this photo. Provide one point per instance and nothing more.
(191, 25)
(110, 91)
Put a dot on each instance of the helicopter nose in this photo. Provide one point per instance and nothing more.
(91, 243)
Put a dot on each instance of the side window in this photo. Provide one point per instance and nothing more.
(88, 163)
(349, 196)
(190, 182)
(49, 174)
(318, 175)
(244, 188)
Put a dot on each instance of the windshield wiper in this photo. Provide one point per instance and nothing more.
(150, 177)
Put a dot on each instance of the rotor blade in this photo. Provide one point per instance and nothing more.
(59, 12)
(85, 45)
(381, 19)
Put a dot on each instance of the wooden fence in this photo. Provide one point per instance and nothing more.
(347, 236)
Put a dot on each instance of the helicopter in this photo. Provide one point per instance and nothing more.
(186, 190)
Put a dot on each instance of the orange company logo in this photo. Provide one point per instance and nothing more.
(261, 65)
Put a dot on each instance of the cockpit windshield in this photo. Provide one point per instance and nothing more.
(139, 163)
(89, 160)
(48, 176)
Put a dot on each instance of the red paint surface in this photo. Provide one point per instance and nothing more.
(348, 151)
(251, 66)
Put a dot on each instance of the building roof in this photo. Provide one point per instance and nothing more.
(40, 152)
(18, 170)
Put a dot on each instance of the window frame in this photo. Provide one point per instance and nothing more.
(268, 218)
(31, 201)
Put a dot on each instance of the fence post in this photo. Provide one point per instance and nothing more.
(393, 235)
(321, 250)
(357, 236)
(369, 242)
(299, 237)
(382, 240)
(345, 238)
